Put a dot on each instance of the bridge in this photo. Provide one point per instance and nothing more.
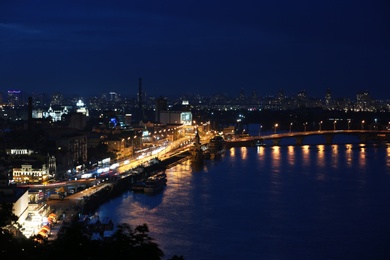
(363, 136)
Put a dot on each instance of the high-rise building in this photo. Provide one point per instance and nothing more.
(363, 101)
(242, 94)
(14, 98)
(140, 99)
(114, 96)
(161, 104)
(328, 99)
(140, 93)
(302, 98)
(57, 99)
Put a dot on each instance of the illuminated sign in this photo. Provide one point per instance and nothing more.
(186, 118)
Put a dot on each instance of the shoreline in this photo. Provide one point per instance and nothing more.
(71, 207)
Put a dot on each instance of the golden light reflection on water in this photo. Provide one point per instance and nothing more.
(362, 147)
(181, 169)
(291, 155)
(275, 171)
(306, 155)
(321, 162)
(276, 159)
(244, 153)
(260, 151)
(362, 155)
(388, 156)
(348, 155)
(232, 152)
(362, 159)
(335, 156)
(321, 155)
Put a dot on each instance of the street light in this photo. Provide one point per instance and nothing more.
(260, 130)
(362, 124)
(290, 126)
(320, 126)
(276, 126)
(304, 126)
(349, 122)
(334, 125)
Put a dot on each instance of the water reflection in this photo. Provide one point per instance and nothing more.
(388, 156)
(197, 167)
(148, 201)
(232, 152)
(320, 161)
(334, 155)
(266, 196)
(260, 151)
(276, 185)
(244, 153)
(306, 155)
(362, 156)
(291, 155)
(321, 155)
(276, 159)
(348, 155)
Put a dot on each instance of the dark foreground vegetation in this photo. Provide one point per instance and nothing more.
(126, 243)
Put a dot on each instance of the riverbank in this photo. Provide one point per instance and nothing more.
(88, 201)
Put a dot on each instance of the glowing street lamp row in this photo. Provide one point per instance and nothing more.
(320, 126)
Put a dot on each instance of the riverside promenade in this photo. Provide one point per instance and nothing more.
(87, 201)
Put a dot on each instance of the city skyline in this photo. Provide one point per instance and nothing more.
(22, 96)
(195, 47)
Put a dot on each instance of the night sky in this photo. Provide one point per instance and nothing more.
(199, 47)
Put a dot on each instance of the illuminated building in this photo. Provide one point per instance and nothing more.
(14, 98)
(55, 113)
(81, 108)
(175, 117)
(18, 196)
(30, 172)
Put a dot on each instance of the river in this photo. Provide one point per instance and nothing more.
(271, 202)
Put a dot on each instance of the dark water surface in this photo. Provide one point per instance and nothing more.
(287, 202)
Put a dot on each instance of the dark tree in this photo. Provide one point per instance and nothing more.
(7, 217)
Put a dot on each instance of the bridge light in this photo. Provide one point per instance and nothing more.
(349, 122)
(290, 126)
(304, 126)
(334, 125)
(362, 124)
(276, 126)
(320, 125)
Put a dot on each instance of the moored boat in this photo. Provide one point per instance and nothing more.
(216, 147)
(155, 183)
(152, 184)
(138, 186)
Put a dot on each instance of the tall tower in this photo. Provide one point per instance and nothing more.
(328, 98)
(140, 100)
(140, 94)
(30, 107)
